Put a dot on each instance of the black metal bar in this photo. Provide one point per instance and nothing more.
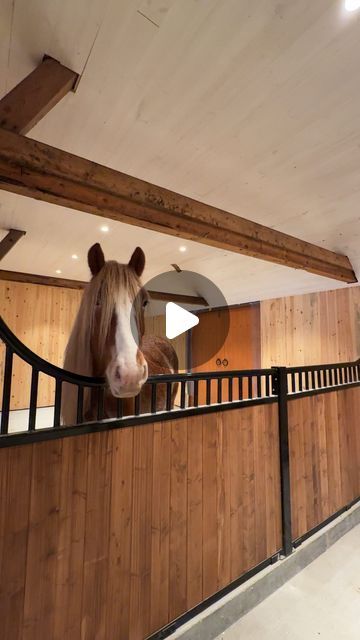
(250, 389)
(182, 394)
(313, 382)
(267, 385)
(240, 388)
(230, 389)
(318, 376)
(293, 382)
(33, 399)
(100, 402)
(307, 380)
(57, 407)
(168, 396)
(341, 372)
(219, 390)
(119, 407)
(137, 405)
(284, 460)
(196, 393)
(80, 405)
(153, 397)
(5, 407)
(258, 386)
(208, 391)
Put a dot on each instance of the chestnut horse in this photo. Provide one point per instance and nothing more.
(108, 340)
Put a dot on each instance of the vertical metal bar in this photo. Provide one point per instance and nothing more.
(182, 394)
(267, 385)
(318, 377)
(300, 381)
(258, 386)
(5, 410)
(33, 398)
(137, 404)
(80, 404)
(219, 390)
(153, 397)
(313, 382)
(57, 407)
(208, 391)
(240, 388)
(250, 389)
(284, 460)
(346, 374)
(307, 381)
(230, 389)
(196, 393)
(341, 372)
(293, 382)
(336, 375)
(119, 408)
(168, 396)
(100, 402)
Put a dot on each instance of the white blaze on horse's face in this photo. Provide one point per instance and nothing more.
(127, 371)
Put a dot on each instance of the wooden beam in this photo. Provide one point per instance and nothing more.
(10, 240)
(49, 281)
(32, 99)
(31, 168)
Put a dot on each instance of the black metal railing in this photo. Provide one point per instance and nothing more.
(195, 392)
(321, 377)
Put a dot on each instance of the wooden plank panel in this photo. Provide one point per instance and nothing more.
(15, 483)
(195, 512)
(223, 501)
(139, 625)
(71, 539)
(160, 527)
(247, 452)
(272, 479)
(119, 564)
(210, 500)
(236, 495)
(178, 519)
(96, 554)
(43, 541)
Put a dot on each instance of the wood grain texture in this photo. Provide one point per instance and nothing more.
(309, 329)
(324, 456)
(42, 317)
(121, 531)
(31, 168)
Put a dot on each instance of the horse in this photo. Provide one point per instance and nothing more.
(107, 340)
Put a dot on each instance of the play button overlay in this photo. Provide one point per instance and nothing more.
(178, 320)
(188, 309)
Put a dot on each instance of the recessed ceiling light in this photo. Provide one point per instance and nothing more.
(58, 271)
(104, 228)
(352, 5)
(75, 257)
(182, 249)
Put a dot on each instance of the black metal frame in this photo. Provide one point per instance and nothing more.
(245, 388)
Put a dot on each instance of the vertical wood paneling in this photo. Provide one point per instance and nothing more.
(97, 526)
(324, 456)
(42, 317)
(70, 549)
(15, 483)
(122, 531)
(311, 329)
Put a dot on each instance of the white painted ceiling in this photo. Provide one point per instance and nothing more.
(249, 106)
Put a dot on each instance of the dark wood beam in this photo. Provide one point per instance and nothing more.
(32, 278)
(33, 97)
(10, 240)
(33, 169)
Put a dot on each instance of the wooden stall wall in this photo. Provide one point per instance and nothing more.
(324, 440)
(114, 534)
(42, 317)
(316, 328)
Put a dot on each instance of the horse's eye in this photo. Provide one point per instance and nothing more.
(145, 303)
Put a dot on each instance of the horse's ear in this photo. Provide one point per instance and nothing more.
(96, 259)
(137, 261)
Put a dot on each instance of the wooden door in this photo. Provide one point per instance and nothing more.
(241, 349)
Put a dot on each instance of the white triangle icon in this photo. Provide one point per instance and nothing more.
(178, 320)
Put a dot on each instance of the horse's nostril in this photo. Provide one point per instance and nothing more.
(118, 373)
(144, 370)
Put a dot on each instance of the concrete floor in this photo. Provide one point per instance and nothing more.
(322, 601)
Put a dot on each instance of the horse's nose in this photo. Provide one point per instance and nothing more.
(126, 377)
(118, 373)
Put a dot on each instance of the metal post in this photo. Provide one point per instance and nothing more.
(281, 388)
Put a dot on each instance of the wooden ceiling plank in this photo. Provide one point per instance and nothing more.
(32, 278)
(23, 107)
(10, 240)
(31, 168)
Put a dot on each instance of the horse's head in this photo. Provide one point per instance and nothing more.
(116, 302)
